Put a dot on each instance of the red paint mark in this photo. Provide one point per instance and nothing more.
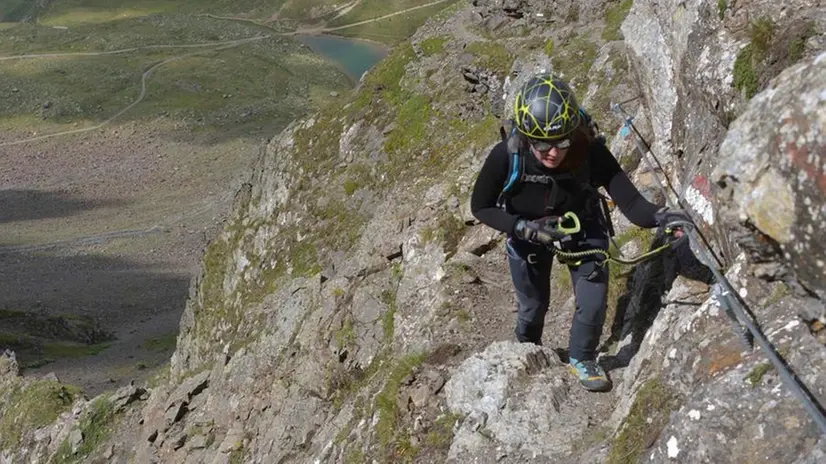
(799, 157)
(702, 184)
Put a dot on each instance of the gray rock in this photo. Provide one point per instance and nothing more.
(126, 395)
(178, 441)
(772, 171)
(197, 442)
(525, 414)
(8, 366)
(479, 240)
(234, 439)
(75, 440)
(110, 452)
(471, 77)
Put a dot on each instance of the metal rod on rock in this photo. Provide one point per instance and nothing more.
(731, 301)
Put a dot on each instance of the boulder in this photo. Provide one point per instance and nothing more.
(772, 173)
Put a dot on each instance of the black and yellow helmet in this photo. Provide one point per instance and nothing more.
(546, 108)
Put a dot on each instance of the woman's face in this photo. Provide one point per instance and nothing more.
(550, 155)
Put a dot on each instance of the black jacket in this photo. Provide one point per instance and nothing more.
(532, 200)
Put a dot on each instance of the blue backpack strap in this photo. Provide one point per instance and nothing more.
(515, 162)
(514, 168)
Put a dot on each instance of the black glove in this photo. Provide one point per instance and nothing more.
(677, 219)
(665, 216)
(542, 231)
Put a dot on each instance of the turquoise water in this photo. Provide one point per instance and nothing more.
(354, 56)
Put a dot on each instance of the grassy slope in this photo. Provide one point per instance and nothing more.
(174, 159)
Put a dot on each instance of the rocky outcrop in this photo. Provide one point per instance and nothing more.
(692, 59)
(773, 175)
(352, 310)
(46, 421)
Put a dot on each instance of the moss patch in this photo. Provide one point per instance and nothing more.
(722, 6)
(434, 45)
(648, 416)
(387, 430)
(161, 344)
(448, 232)
(388, 297)
(96, 425)
(755, 377)
(619, 274)
(384, 80)
(771, 49)
(440, 435)
(745, 77)
(574, 59)
(615, 14)
(491, 55)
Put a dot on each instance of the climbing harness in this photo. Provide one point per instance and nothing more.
(575, 258)
(736, 309)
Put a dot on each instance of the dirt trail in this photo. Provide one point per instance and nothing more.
(144, 79)
(366, 21)
(491, 305)
(126, 50)
(343, 10)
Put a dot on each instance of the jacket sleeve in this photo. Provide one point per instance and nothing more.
(630, 201)
(487, 188)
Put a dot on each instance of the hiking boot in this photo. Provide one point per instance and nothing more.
(591, 375)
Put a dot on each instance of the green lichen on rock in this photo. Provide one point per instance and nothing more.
(29, 406)
(722, 6)
(755, 377)
(440, 435)
(648, 415)
(491, 55)
(447, 232)
(434, 45)
(549, 47)
(745, 76)
(573, 60)
(95, 427)
(615, 14)
(384, 80)
(391, 436)
(410, 126)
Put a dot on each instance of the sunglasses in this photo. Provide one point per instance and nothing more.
(546, 145)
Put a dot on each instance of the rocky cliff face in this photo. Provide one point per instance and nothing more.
(353, 311)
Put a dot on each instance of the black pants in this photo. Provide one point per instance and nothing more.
(530, 267)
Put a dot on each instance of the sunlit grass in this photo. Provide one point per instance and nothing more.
(369, 9)
(78, 16)
(394, 29)
(77, 12)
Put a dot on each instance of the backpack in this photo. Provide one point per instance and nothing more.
(517, 175)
